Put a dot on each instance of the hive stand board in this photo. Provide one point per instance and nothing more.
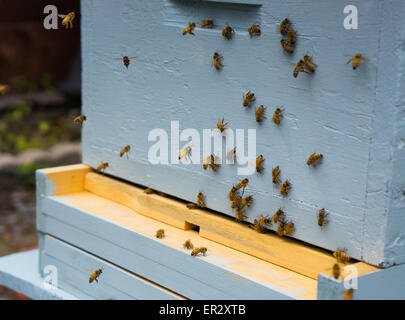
(353, 117)
(74, 267)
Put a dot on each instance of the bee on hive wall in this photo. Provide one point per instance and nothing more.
(3, 89)
(212, 162)
(242, 184)
(207, 24)
(275, 175)
(148, 191)
(227, 32)
(254, 30)
(280, 228)
(291, 36)
(232, 193)
(278, 216)
(125, 150)
(67, 19)
(236, 202)
(322, 217)
(240, 214)
(259, 164)
(185, 153)
(80, 119)
(160, 233)
(189, 29)
(248, 98)
(201, 200)
(221, 125)
(284, 25)
(286, 46)
(94, 276)
(264, 220)
(277, 115)
(259, 114)
(217, 61)
(289, 228)
(299, 67)
(247, 201)
(102, 167)
(188, 245)
(355, 60)
(231, 154)
(314, 159)
(285, 188)
(341, 255)
(309, 65)
(197, 251)
(126, 60)
(257, 226)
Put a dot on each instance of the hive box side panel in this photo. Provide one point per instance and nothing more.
(172, 79)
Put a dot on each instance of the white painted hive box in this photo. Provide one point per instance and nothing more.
(355, 118)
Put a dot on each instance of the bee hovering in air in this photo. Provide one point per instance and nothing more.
(188, 245)
(67, 19)
(314, 159)
(284, 26)
(275, 175)
(80, 119)
(227, 32)
(3, 89)
(286, 46)
(126, 60)
(309, 65)
(336, 271)
(285, 187)
(160, 234)
(348, 294)
(207, 24)
(102, 167)
(254, 30)
(259, 114)
(278, 216)
(259, 164)
(189, 29)
(125, 150)
(221, 125)
(217, 61)
(257, 226)
(185, 153)
(94, 276)
(341, 255)
(197, 251)
(212, 162)
(299, 67)
(277, 115)
(248, 98)
(355, 60)
(322, 217)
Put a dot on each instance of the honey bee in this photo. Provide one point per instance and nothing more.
(284, 25)
(217, 61)
(285, 187)
(185, 153)
(247, 201)
(299, 67)
(210, 161)
(336, 271)
(80, 119)
(280, 228)
(291, 36)
(286, 46)
(257, 226)
(125, 150)
(3, 89)
(191, 205)
(259, 164)
(197, 251)
(322, 217)
(188, 245)
(189, 29)
(248, 98)
(201, 200)
(227, 32)
(236, 202)
(265, 220)
(289, 228)
(67, 19)
(314, 158)
(232, 193)
(278, 216)
(277, 115)
(254, 30)
(348, 295)
(94, 276)
(242, 184)
(341, 255)
(355, 60)
(309, 64)
(160, 234)
(148, 191)
(275, 175)
(259, 114)
(240, 216)
(230, 155)
(126, 60)
(102, 167)
(221, 125)
(207, 23)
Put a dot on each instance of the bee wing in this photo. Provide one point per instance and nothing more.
(62, 15)
(133, 57)
(117, 58)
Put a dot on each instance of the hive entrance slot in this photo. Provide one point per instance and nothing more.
(190, 226)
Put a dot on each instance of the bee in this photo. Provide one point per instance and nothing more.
(299, 67)
(348, 295)
(189, 29)
(341, 255)
(355, 60)
(201, 200)
(336, 271)
(280, 228)
(148, 191)
(221, 125)
(230, 155)
(259, 164)
(80, 119)
(285, 187)
(322, 217)
(125, 150)
(3, 89)
(236, 202)
(67, 19)
(94, 276)
(207, 23)
(257, 226)
(254, 30)
(191, 205)
(314, 158)
(309, 65)
(102, 167)
(197, 251)
(160, 234)
(232, 193)
(240, 216)
(265, 220)
(277, 115)
(289, 228)
(227, 32)
(284, 25)
(247, 201)
(278, 216)
(188, 245)
(259, 114)
(291, 36)
(286, 46)
(126, 60)
(185, 153)
(217, 61)
(210, 161)
(248, 98)
(242, 184)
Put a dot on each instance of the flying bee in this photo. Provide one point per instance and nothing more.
(285, 187)
(227, 32)
(299, 67)
(125, 150)
(289, 228)
(265, 220)
(236, 202)
(211, 161)
(341, 255)
(355, 60)
(94, 276)
(221, 125)
(230, 155)
(232, 193)
(189, 29)
(201, 200)
(217, 61)
(247, 201)
(322, 217)
(197, 251)
(160, 233)
(248, 98)
(336, 271)
(275, 175)
(278, 216)
(254, 30)
(242, 184)
(259, 164)
(291, 36)
(207, 23)
(348, 294)
(80, 119)
(240, 216)
(185, 153)
(259, 114)
(257, 226)
(284, 25)
(102, 167)
(3, 89)
(148, 191)
(277, 115)
(280, 228)
(309, 65)
(188, 245)
(67, 19)
(286, 46)
(126, 60)
(314, 159)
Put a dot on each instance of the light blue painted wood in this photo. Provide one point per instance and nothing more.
(354, 117)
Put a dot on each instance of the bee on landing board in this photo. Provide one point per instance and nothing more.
(207, 24)
(275, 175)
(160, 234)
(148, 191)
(80, 119)
(278, 216)
(259, 164)
(254, 30)
(94, 276)
(355, 60)
(259, 114)
(341, 255)
(67, 19)
(284, 25)
(126, 60)
(322, 217)
(102, 167)
(125, 150)
(286, 46)
(3, 89)
(309, 65)
(285, 188)
(248, 98)
(217, 61)
(314, 159)
(227, 32)
(277, 115)
(197, 251)
(221, 125)
(189, 29)
(188, 245)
